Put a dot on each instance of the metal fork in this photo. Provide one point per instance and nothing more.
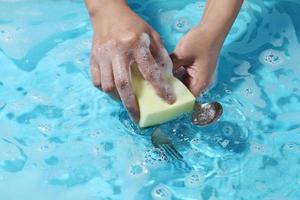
(162, 141)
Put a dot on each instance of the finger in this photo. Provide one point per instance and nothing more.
(197, 81)
(197, 88)
(161, 56)
(181, 74)
(178, 61)
(122, 74)
(155, 45)
(107, 79)
(95, 73)
(154, 74)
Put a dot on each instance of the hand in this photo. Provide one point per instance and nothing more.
(198, 51)
(120, 39)
(195, 59)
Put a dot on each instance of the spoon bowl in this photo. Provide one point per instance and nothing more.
(206, 113)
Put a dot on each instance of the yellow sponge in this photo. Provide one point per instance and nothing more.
(153, 109)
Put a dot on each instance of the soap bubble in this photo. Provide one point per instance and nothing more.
(161, 192)
(224, 143)
(271, 57)
(95, 134)
(44, 128)
(194, 179)
(228, 91)
(45, 147)
(97, 151)
(257, 148)
(182, 25)
(154, 156)
(196, 141)
(137, 169)
(249, 91)
(227, 130)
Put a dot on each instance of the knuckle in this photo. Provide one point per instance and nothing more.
(151, 76)
(96, 83)
(203, 84)
(157, 38)
(122, 84)
(112, 43)
(108, 88)
(130, 38)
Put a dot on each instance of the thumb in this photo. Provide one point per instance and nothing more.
(179, 66)
(177, 61)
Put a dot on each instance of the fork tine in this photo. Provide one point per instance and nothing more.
(162, 141)
(178, 155)
(168, 151)
(174, 151)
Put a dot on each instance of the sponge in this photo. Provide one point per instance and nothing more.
(153, 109)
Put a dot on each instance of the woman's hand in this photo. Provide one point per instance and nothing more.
(195, 60)
(120, 39)
(197, 53)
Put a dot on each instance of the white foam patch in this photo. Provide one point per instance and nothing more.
(257, 148)
(154, 157)
(271, 57)
(194, 179)
(161, 192)
(164, 60)
(145, 38)
(182, 25)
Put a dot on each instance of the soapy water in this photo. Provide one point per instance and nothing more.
(194, 179)
(161, 192)
(63, 139)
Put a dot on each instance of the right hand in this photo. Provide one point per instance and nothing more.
(120, 39)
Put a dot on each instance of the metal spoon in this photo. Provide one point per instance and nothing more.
(207, 113)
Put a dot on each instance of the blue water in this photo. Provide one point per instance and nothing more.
(60, 138)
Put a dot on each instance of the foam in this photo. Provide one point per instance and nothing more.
(154, 157)
(161, 192)
(159, 71)
(258, 148)
(182, 25)
(137, 169)
(271, 57)
(194, 179)
(227, 130)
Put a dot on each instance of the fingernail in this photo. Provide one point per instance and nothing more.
(135, 116)
(171, 98)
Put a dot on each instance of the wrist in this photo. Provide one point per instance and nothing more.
(218, 19)
(104, 13)
(212, 38)
(104, 8)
